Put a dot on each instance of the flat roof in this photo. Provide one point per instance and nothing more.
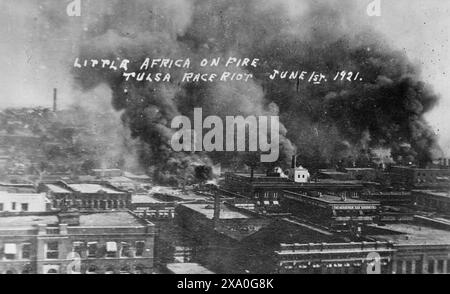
(57, 189)
(208, 211)
(93, 188)
(19, 194)
(434, 193)
(411, 234)
(140, 198)
(331, 199)
(107, 219)
(188, 268)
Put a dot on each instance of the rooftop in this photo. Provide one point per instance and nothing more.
(57, 189)
(445, 194)
(109, 219)
(188, 268)
(93, 188)
(208, 211)
(329, 199)
(144, 198)
(410, 234)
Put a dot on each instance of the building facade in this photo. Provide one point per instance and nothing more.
(100, 243)
(23, 202)
(91, 196)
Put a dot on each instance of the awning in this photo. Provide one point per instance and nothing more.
(111, 246)
(10, 248)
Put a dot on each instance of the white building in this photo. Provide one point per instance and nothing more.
(23, 202)
(300, 175)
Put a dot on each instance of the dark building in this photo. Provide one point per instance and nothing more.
(92, 243)
(420, 178)
(335, 258)
(432, 200)
(233, 240)
(421, 247)
(266, 190)
(336, 213)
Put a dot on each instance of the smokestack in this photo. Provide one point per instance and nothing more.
(294, 161)
(55, 100)
(216, 207)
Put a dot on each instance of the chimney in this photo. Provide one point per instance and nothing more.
(252, 173)
(55, 100)
(216, 207)
(294, 161)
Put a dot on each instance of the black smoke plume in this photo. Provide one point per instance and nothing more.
(321, 123)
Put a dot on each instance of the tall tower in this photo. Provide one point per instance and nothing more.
(55, 100)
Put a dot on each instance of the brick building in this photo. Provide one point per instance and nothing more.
(106, 243)
(92, 196)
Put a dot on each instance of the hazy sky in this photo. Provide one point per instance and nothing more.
(36, 55)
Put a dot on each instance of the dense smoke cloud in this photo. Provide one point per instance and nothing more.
(324, 123)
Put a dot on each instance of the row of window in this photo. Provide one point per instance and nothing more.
(14, 206)
(110, 249)
(266, 195)
(415, 267)
(13, 251)
(95, 204)
(91, 269)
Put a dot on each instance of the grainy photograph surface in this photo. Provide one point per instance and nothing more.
(224, 137)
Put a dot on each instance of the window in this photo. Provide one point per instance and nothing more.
(440, 266)
(125, 270)
(24, 206)
(431, 266)
(10, 251)
(26, 251)
(78, 248)
(409, 267)
(139, 269)
(28, 269)
(140, 246)
(13, 206)
(52, 250)
(109, 270)
(92, 269)
(111, 249)
(125, 252)
(92, 249)
(1, 207)
(52, 271)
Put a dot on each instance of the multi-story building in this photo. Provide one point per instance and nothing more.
(267, 190)
(420, 247)
(86, 196)
(420, 178)
(432, 200)
(91, 243)
(335, 258)
(232, 240)
(150, 207)
(336, 213)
